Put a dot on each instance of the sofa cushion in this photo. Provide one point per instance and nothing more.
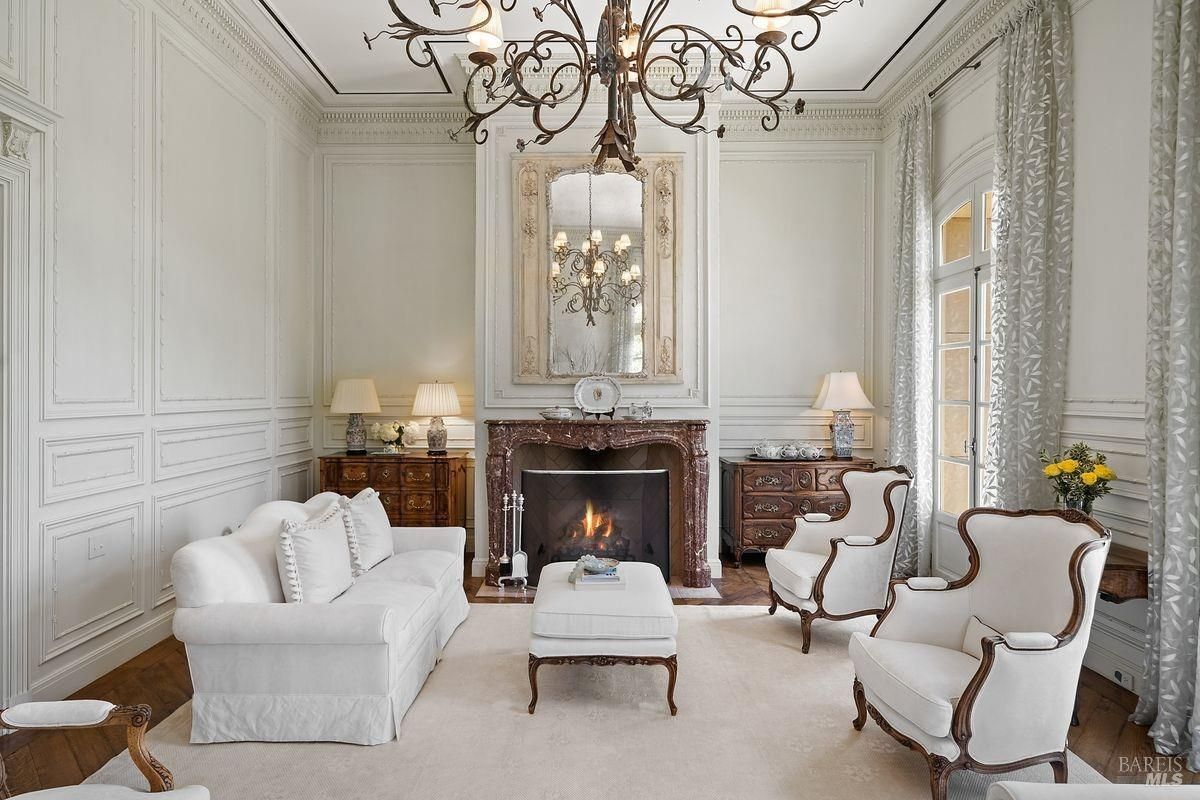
(415, 608)
(436, 569)
(922, 682)
(642, 610)
(369, 531)
(795, 570)
(314, 557)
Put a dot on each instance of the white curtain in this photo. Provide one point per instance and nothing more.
(910, 437)
(1033, 217)
(1168, 701)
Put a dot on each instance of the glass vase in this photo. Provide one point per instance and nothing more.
(1083, 504)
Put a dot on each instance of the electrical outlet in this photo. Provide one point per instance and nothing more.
(95, 547)
(1124, 678)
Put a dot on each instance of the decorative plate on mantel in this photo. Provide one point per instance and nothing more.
(597, 394)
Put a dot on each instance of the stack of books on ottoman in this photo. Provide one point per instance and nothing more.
(596, 573)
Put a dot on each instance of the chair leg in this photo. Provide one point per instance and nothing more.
(534, 663)
(806, 621)
(672, 665)
(860, 702)
(774, 599)
(1059, 765)
(940, 771)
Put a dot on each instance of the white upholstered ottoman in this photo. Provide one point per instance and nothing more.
(634, 625)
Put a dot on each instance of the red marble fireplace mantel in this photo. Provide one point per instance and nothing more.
(505, 437)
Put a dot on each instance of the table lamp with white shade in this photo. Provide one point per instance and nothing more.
(436, 400)
(355, 396)
(840, 393)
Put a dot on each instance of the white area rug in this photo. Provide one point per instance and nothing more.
(678, 592)
(757, 721)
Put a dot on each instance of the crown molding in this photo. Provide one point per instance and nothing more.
(819, 122)
(395, 126)
(223, 31)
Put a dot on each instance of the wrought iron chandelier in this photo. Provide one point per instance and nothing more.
(556, 71)
(596, 279)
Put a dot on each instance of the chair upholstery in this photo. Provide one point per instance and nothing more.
(1033, 579)
(77, 714)
(839, 568)
(1013, 790)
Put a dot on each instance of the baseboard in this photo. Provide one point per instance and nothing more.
(74, 676)
(715, 568)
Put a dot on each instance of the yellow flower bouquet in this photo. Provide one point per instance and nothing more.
(1079, 475)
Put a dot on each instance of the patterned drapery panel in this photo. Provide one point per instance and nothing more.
(1033, 218)
(910, 438)
(1168, 701)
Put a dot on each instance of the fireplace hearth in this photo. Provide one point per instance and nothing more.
(621, 514)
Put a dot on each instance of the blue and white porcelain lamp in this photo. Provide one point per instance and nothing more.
(842, 393)
(355, 397)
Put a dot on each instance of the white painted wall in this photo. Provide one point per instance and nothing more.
(170, 296)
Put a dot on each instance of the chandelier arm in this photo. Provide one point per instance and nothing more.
(414, 34)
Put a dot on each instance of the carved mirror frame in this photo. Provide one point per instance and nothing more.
(661, 215)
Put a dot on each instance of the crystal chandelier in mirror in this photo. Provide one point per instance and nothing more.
(671, 66)
(592, 279)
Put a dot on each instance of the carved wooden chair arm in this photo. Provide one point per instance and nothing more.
(78, 714)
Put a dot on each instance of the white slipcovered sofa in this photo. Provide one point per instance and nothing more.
(344, 671)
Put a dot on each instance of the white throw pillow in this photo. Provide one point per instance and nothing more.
(977, 631)
(314, 561)
(369, 530)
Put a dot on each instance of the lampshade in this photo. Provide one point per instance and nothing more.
(436, 400)
(355, 396)
(841, 391)
(768, 15)
(490, 36)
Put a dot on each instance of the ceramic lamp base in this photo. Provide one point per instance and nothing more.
(356, 435)
(437, 437)
(841, 434)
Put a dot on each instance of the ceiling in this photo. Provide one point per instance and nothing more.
(862, 50)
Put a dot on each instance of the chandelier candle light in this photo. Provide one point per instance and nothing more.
(436, 400)
(692, 63)
(355, 397)
(840, 393)
(596, 279)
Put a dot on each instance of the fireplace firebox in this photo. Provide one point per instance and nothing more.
(621, 514)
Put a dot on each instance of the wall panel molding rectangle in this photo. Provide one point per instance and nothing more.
(78, 466)
(186, 451)
(200, 513)
(91, 577)
(295, 480)
(293, 435)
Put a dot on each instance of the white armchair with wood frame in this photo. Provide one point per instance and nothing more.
(839, 567)
(78, 714)
(981, 673)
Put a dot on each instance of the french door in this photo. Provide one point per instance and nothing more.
(962, 368)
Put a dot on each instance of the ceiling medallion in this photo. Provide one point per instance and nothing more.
(553, 75)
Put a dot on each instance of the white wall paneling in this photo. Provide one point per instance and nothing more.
(185, 451)
(797, 286)
(207, 511)
(91, 577)
(295, 481)
(160, 343)
(85, 465)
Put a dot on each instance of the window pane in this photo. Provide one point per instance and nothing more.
(985, 312)
(954, 487)
(987, 221)
(954, 377)
(956, 234)
(985, 373)
(981, 442)
(955, 320)
(954, 433)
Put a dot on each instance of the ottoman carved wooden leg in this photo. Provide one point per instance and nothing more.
(670, 662)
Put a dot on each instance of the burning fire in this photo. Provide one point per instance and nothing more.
(594, 524)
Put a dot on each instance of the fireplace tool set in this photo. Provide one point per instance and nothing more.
(514, 570)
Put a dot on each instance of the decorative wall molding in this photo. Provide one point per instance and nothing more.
(187, 451)
(91, 580)
(14, 138)
(295, 481)
(293, 435)
(79, 466)
(392, 126)
(819, 122)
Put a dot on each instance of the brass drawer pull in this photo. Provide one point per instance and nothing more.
(765, 534)
(768, 480)
(766, 508)
(351, 475)
(387, 473)
(425, 505)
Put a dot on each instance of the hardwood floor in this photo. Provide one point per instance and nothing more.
(160, 678)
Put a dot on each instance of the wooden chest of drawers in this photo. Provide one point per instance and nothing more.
(416, 489)
(760, 500)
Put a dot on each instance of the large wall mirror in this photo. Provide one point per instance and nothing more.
(597, 270)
